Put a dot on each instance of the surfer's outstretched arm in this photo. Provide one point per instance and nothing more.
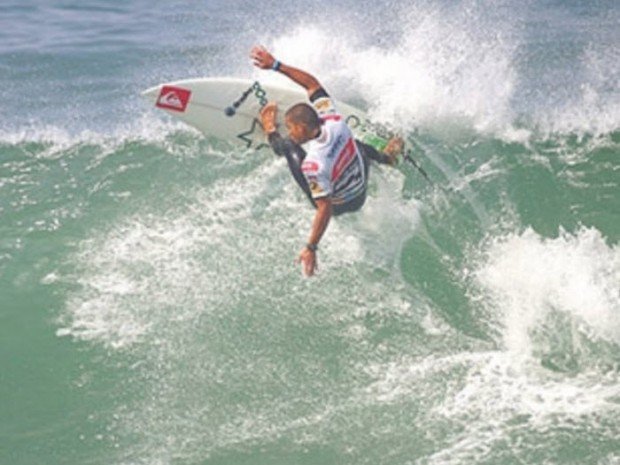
(265, 60)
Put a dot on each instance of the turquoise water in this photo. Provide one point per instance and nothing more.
(150, 309)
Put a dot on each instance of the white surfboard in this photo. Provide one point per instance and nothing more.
(228, 108)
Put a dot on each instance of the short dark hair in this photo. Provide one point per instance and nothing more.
(302, 113)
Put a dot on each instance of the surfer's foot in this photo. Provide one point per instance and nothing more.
(393, 149)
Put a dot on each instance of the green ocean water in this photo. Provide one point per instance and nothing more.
(150, 308)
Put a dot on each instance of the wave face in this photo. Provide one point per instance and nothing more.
(151, 310)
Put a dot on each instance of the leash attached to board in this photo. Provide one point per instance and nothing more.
(407, 157)
(255, 88)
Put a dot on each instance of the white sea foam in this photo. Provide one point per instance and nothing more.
(498, 400)
(133, 275)
(528, 277)
(406, 85)
(387, 220)
(522, 280)
(175, 288)
(447, 67)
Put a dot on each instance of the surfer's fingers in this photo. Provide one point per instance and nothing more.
(263, 50)
(254, 53)
(259, 53)
(256, 50)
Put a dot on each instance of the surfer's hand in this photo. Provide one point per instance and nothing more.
(307, 258)
(261, 57)
(268, 117)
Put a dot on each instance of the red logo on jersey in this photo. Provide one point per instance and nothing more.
(173, 98)
(310, 167)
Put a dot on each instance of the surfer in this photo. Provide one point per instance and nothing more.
(333, 169)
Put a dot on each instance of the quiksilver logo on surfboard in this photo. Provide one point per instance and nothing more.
(173, 98)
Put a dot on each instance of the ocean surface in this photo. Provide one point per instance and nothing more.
(150, 309)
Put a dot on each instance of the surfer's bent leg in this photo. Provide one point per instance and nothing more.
(369, 151)
(294, 155)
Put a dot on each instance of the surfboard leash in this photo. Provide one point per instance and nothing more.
(407, 156)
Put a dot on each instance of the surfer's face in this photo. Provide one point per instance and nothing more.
(297, 132)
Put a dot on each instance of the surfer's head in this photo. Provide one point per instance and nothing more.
(302, 123)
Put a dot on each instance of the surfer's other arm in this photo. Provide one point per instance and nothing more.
(265, 60)
(307, 256)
